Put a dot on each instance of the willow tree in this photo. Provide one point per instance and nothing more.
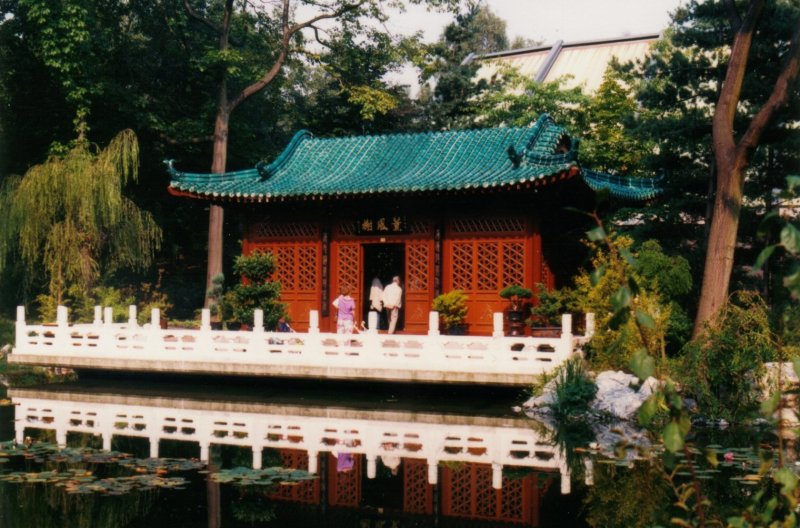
(68, 218)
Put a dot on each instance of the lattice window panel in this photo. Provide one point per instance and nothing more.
(488, 268)
(513, 499)
(485, 494)
(348, 228)
(513, 263)
(462, 266)
(417, 258)
(347, 259)
(501, 224)
(307, 260)
(420, 227)
(344, 486)
(306, 492)
(460, 492)
(417, 493)
(284, 268)
(285, 230)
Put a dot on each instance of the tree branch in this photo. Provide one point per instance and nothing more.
(725, 111)
(733, 15)
(288, 32)
(219, 31)
(778, 98)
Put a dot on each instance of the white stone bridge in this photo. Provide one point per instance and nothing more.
(433, 358)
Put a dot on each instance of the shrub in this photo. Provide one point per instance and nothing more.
(258, 291)
(722, 368)
(452, 308)
(574, 389)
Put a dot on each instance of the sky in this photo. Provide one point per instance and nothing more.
(546, 21)
(551, 20)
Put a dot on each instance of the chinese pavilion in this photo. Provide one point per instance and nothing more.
(473, 210)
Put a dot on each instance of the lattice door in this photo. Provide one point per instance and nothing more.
(344, 487)
(419, 284)
(467, 492)
(481, 257)
(306, 492)
(417, 492)
(297, 267)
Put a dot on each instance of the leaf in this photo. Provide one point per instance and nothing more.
(597, 274)
(628, 256)
(796, 366)
(711, 457)
(770, 405)
(673, 439)
(597, 234)
(792, 182)
(621, 299)
(787, 479)
(648, 410)
(642, 364)
(765, 254)
(619, 319)
(644, 319)
(790, 239)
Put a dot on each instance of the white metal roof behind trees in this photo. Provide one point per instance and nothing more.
(585, 62)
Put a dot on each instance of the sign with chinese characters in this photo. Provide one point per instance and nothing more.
(382, 225)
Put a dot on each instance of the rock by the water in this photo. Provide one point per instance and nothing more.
(620, 394)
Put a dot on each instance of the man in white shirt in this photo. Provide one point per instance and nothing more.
(393, 301)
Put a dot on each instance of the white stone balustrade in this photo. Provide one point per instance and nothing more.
(495, 359)
(512, 443)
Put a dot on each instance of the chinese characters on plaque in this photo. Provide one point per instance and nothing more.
(382, 225)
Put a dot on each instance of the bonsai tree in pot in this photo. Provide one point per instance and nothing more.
(452, 308)
(516, 294)
(256, 290)
(546, 314)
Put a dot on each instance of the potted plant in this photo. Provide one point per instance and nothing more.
(546, 314)
(516, 294)
(452, 308)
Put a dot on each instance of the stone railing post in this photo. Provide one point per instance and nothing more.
(133, 321)
(108, 316)
(565, 347)
(258, 321)
(433, 324)
(20, 329)
(204, 338)
(154, 337)
(497, 476)
(313, 322)
(61, 340)
(589, 331)
(500, 353)
(98, 316)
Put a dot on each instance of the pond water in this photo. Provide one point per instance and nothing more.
(378, 455)
(370, 455)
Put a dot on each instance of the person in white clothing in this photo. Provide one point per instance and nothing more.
(376, 295)
(393, 301)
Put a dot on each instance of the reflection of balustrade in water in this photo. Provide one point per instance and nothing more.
(495, 359)
(434, 438)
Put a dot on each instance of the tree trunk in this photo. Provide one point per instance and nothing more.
(721, 240)
(216, 212)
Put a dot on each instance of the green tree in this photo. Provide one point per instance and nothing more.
(69, 219)
(277, 34)
(449, 68)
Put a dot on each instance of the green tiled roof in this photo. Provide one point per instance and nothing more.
(623, 187)
(312, 167)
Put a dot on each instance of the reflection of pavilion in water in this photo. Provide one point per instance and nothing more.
(401, 462)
